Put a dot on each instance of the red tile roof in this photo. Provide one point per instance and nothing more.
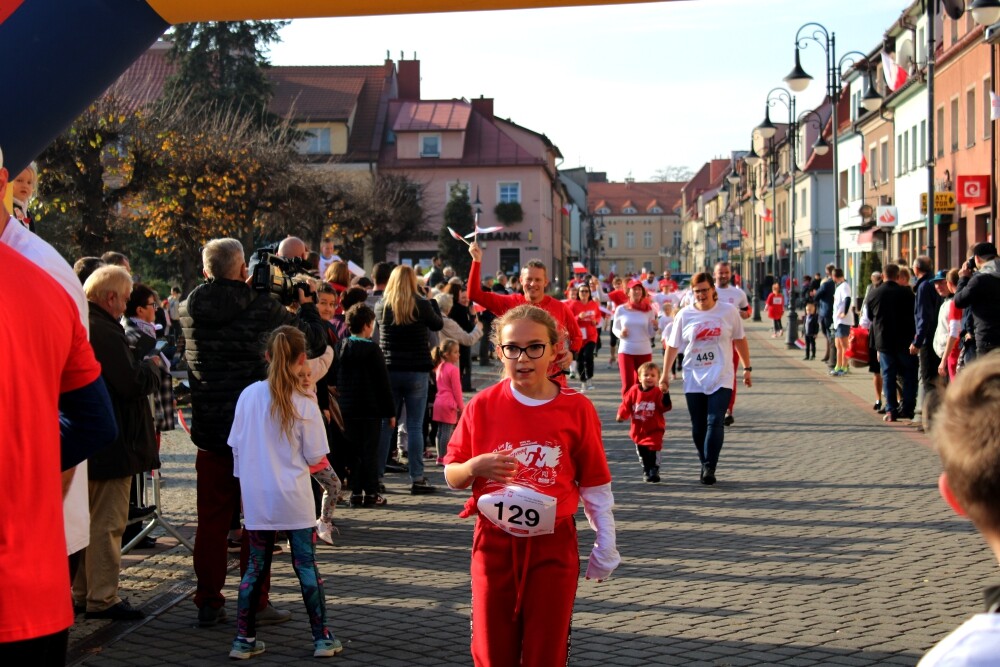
(319, 93)
(642, 196)
(486, 144)
(432, 116)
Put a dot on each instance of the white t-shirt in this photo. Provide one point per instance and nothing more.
(975, 643)
(840, 297)
(734, 296)
(76, 504)
(665, 324)
(641, 326)
(273, 471)
(706, 339)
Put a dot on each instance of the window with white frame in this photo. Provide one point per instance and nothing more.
(509, 192)
(678, 238)
(656, 210)
(913, 148)
(873, 167)
(899, 155)
(629, 210)
(923, 142)
(604, 210)
(987, 120)
(430, 145)
(647, 239)
(316, 141)
(954, 124)
(884, 160)
(906, 151)
(629, 239)
(940, 132)
(970, 117)
(803, 200)
(612, 240)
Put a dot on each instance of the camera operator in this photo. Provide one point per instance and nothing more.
(225, 323)
(979, 290)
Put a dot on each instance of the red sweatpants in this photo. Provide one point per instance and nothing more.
(736, 382)
(538, 573)
(628, 368)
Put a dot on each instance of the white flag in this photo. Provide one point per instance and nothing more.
(994, 106)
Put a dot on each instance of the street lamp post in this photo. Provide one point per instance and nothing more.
(798, 80)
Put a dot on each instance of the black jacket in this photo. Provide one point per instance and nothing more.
(824, 299)
(890, 307)
(406, 346)
(362, 380)
(129, 384)
(226, 325)
(981, 294)
(925, 313)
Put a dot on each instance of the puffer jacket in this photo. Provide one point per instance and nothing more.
(226, 325)
(129, 383)
(407, 346)
(980, 293)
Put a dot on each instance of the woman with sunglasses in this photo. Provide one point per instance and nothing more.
(708, 333)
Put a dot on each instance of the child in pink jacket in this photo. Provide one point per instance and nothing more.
(448, 402)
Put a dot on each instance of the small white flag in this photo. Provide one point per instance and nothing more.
(994, 106)
(483, 230)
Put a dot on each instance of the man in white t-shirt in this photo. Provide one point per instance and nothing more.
(965, 438)
(841, 321)
(737, 298)
(648, 280)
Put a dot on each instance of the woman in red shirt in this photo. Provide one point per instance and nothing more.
(588, 316)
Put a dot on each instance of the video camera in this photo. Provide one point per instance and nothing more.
(274, 275)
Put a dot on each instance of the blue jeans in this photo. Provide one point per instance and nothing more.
(895, 364)
(707, 429)
(410, 388)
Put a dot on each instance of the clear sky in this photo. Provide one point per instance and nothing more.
(625, 89)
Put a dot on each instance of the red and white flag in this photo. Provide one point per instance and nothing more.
(895, 76)
(864, 162)
(456, 235)
(578, 267)
(483, 230)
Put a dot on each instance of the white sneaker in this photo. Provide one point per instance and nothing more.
(325, 530)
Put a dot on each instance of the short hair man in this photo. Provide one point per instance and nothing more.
(890, 308)
(117, 259)
(964, 429)
(225, 323)
(841, 320)
(737, 298)
(824, 308)
(292, 247)
(534, 279)
(979, 291)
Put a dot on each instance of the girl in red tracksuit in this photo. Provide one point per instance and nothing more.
(775, 308)
(531, 450)
(645, 403)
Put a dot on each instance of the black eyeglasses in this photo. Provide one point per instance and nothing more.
(534, 351)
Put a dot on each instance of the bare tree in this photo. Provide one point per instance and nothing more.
(673, 173)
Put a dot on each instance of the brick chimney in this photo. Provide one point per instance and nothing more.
(409, 79)
(484, 105)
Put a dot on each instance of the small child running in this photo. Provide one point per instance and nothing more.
(448, 401)
(322, 472)
(645, 403)
(277, 435)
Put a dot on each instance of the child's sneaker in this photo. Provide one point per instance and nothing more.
(654, 475)
(325, 530)
(327, 647)
(244, 650)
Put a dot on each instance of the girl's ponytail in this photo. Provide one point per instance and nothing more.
(284, 347)
(442, 348)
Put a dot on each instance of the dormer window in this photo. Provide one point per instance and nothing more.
(629, 210)
(604, 210)
(656, 210)
(430, 145)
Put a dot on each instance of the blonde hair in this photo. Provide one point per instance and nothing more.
(523, 312)
(443, 348)
(106, 280)
(338, 273)
(285, 346)
(401, 294)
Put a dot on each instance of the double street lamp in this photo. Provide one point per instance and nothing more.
(798, 80)
(767, 130)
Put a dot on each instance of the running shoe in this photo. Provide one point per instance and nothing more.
(327, 647)
(244, 650)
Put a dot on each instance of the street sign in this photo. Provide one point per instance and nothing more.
(732, 243)
(886, 216)
(944, 202)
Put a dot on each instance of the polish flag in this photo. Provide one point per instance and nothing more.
(483, 230)
(895, 76)
(456, 235)
(864, 162)
(578, 267)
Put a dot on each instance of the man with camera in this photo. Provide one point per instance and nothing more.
(225, 323)
(979, 290)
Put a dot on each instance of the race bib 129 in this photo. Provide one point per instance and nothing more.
(519, 511)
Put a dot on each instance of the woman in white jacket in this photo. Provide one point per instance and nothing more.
(451, 328)
(634, 322)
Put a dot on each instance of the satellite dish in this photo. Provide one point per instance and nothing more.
(954, 8)
(904, 52)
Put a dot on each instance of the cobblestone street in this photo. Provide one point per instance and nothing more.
(824, 542)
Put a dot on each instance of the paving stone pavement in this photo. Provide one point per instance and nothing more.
(824, 543)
